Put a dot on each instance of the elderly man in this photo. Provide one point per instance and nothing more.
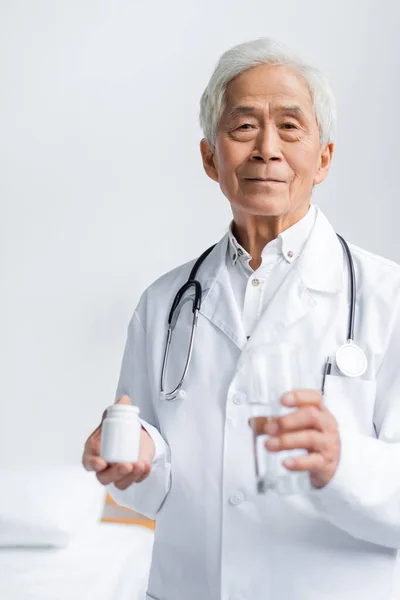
(280, 274)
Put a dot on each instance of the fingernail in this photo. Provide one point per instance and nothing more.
(289, 462)
(272, 428)
(289, 399)
(273, 442)
(122, 470)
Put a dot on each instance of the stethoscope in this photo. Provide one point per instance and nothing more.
(350, 358)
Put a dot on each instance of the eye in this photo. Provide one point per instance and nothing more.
(245, 126)
(289, 125)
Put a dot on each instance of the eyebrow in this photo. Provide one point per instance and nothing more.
(293, 110)
(290, 109)
(236, 111)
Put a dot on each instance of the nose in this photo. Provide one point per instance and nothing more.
(267, 146)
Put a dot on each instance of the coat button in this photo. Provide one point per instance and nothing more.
(236, 498)
(239, 398)
(255, 282)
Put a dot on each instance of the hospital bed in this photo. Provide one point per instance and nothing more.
(49, 552)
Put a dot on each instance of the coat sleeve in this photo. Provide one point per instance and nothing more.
(363, 497)
(147, 496)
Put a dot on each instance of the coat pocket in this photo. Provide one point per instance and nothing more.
(351, 401)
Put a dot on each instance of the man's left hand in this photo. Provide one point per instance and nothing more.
(313, 427)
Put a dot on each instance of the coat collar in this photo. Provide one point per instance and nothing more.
(218, 302)
(321, 264)
(288, 244)
(319, 268)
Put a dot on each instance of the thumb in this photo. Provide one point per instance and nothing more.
(121, 400)
(93, 442)
(124, 400)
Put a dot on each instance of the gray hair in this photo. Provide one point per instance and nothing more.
(265, 51)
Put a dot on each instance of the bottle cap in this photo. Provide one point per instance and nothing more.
(122, 409)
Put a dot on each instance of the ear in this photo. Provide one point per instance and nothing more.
(207, 154)
(325, 163)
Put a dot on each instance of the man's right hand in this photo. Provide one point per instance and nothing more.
(122, 475)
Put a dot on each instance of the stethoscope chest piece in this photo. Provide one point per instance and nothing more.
(351, 360)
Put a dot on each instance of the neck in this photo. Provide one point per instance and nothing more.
(254, 232)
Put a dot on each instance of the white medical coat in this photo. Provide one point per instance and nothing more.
(215, 538)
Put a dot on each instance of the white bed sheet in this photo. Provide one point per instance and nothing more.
(107, 562)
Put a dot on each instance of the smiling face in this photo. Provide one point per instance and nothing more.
(267, 154)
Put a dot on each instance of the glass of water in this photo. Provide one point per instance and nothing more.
(274, 370)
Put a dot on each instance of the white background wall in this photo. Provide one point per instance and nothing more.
(102, 188)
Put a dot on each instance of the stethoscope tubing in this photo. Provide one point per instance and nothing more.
(193, 282)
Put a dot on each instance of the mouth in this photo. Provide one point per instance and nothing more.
(264, 179)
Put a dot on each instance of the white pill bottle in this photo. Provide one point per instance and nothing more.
(120, 434)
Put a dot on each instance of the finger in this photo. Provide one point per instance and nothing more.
(124, 400)
(92, 445)
(91, 452)
(114, 472)
(140, 471)
(258, 424)
(97, 431)
(303, 397)
(145, 473)
(309, 439)
(93, 463)
(311, 462)
(306, 417)
(121, 400)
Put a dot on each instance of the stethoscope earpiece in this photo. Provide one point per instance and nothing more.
(351, 360)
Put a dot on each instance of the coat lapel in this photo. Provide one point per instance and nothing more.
(291, 303)
(219, 303)
(318, 269)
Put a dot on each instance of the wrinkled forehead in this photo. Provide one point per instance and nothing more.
(269, 87)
